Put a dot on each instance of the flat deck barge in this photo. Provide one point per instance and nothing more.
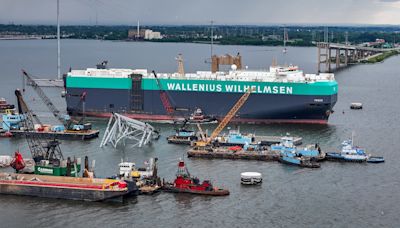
(224, 153)
(66, 135)
(72, 188)
(262, 139)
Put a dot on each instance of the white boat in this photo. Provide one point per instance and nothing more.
(129, 169)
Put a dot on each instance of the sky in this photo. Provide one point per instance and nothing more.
(193, 12)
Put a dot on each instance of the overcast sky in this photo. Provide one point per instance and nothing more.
(180, 12)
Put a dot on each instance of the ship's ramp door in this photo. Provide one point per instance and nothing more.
(136, 93)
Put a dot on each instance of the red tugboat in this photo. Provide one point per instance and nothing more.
(184, 183)
(199, 117)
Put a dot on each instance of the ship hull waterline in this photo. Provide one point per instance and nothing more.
(260, 108)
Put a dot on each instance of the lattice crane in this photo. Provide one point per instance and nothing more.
(41, 149)
(227, 118)
(63, 119)
(164, 97)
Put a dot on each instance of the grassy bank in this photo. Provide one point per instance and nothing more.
(381, 57)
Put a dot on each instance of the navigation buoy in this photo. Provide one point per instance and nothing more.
(356, 105)
(250, 178)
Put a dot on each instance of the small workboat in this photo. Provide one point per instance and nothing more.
(183, 136)
(4, 105)
(310, 151)
(185, 183)
(145, 178)
(373, 159)
(291, 158)
(199, 117)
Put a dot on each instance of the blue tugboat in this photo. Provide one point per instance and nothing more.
(290, 157)
(351, 153)
(310, 151)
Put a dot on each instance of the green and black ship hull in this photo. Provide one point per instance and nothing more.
(139, 98)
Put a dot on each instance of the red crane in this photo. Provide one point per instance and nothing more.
(164, 97)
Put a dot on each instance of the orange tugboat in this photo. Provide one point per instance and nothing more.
(184, 183)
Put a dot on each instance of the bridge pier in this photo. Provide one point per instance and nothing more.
(352, 54)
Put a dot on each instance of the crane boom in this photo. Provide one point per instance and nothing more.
(230, 115)
(40, 148)
(203, 137)
(44, 97)
(164, 97)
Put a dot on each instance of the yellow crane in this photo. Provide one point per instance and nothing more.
(226, 119)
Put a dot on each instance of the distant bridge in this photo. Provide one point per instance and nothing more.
(345, 54)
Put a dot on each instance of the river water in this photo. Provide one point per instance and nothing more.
(336, 195)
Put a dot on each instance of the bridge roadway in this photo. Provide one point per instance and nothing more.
(354, 47)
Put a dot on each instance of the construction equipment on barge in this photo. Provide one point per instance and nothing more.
(146, 178)
(225, 121)
(46, 154)
(55, 177)
(71, 126)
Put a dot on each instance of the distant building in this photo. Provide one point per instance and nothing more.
(271, 37)
(150, 35)
(133, 34)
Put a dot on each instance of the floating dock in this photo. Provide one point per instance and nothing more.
(225, 153)
(66, 135)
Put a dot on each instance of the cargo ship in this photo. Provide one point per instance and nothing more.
(281, 94)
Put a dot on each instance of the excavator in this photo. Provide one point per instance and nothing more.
(205, 141)
(66, 120)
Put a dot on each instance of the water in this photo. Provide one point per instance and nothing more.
(336, 195)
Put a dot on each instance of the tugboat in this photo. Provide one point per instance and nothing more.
(145, 178)
(185, 183)
(290, 157)
(351, 153)
(235, 138)
(309, 151)
(198, 117)
(183, 135)
(5, 106)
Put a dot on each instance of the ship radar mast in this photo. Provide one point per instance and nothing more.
(182, 170)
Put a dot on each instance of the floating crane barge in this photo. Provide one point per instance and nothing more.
(70, 129)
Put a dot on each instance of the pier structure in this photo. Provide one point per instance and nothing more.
(341, 55)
